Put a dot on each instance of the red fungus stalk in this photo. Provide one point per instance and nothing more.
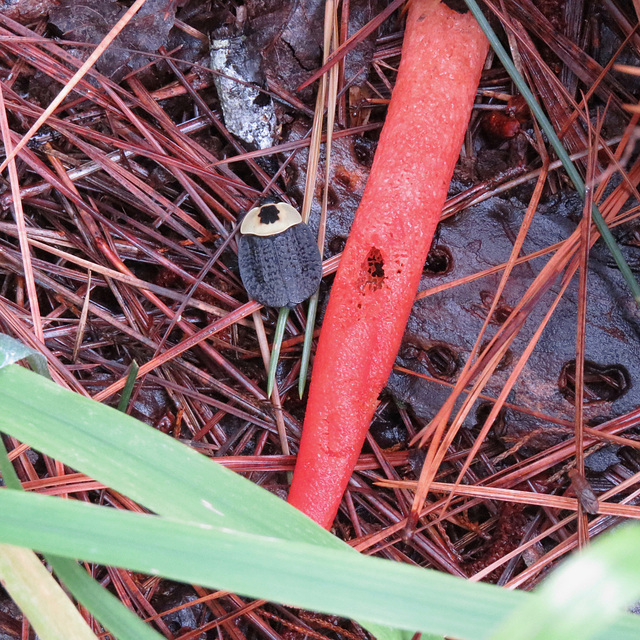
(442, 58)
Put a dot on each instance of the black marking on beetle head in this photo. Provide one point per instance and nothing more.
(269, 213)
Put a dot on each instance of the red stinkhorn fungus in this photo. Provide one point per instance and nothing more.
(442, 58)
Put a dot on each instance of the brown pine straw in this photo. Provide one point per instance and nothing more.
(519, 497)
(570, 543)
(555, 527)
(434, 456)
(79, 75)
(516, 474)
(349, 44)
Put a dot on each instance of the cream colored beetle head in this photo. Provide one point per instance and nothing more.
(270, 219)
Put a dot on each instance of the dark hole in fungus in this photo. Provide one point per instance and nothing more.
(602, 383)
(482, 413)
(333, 200)
(373, 270)
(348, 179)
(502, 310)
(501, 314)
(439, 262)
(439, 359)
(375, 267)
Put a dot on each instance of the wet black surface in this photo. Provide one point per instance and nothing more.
(449, 321)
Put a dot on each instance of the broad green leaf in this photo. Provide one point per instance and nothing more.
(296, 573)
(142, 463)
(580, 598)
(39, 596)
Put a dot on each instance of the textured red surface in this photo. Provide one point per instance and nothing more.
(376, 283)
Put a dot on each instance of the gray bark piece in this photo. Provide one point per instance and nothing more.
(248, 113)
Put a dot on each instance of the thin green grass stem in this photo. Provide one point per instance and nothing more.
(275, 350)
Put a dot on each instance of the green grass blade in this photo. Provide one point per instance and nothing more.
(561, 152)
(308, 341)
(146, 465)
(585, 594)
(103, 605)
(128, 387)
(296, 573)
(149, 467)
(275, 350)
(273, 565)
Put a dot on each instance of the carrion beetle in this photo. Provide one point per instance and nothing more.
(279, 260)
